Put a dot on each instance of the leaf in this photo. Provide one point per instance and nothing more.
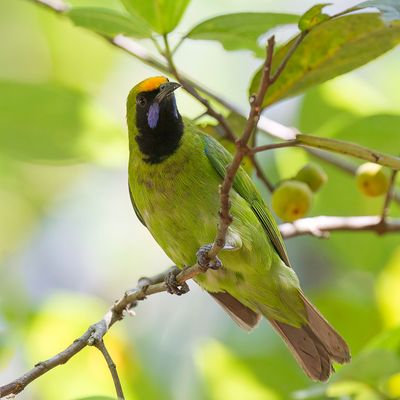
(240, 30)
(49, 122)
(390, 9)
(109, 22)
(313, 17)
(330, 49)
(162, 15)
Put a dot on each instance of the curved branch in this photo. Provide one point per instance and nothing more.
(321, 226)
(316, 226)
(95, 333)
(113, 369)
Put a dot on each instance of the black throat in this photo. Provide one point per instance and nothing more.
(161, 141)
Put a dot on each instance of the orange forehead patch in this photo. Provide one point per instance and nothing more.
(151, 83)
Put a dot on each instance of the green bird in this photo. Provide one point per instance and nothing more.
(174, 174)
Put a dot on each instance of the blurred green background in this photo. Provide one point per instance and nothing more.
(70, 243)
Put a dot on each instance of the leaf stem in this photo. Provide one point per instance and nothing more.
(350, 149)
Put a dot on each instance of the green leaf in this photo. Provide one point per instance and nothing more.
(390, 9)
(162, 15)
(50, 122)
(313, 17)
(240, 30)
(109, 22)
(330, 49)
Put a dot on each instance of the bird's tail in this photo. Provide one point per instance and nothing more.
(315, 345)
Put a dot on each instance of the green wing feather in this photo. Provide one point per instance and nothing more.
(220, 158)
(135, 207)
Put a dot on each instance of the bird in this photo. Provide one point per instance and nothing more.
(174, 174)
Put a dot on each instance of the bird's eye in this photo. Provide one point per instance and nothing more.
(141, 101)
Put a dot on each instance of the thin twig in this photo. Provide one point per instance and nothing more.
(112, 367)
(288, 56)
(321, 226)
(95, 333)
(389, 197)
(19, 384)
(191, 90)
(290, 143)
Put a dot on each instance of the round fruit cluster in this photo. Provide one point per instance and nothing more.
(292, 199)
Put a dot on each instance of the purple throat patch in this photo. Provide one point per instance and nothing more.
(153, 115)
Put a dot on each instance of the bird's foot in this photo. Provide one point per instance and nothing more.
(203, 259)
(173, 287)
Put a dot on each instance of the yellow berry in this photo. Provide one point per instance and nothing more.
(291, 200)
(372, 180)
(313, 175)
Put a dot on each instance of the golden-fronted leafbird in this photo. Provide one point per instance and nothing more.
(174, 175)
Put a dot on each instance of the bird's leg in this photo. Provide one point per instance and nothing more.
(204, 260)
(173, 287)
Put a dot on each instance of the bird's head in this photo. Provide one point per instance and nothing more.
(153, 118)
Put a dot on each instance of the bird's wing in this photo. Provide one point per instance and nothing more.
(135, 207)
(220, 158)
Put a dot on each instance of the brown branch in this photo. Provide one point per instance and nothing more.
(192, 91)
(112, 367)
(95, 333)
(256, 101)
(321, 226)
(290, 143)
(287, 57)
(41, 368)
(316, 226)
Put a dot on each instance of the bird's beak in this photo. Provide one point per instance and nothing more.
(165, 90)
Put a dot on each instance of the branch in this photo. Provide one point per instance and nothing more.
(290, 143)
(113, 369)
(256, 100)
(316, 226)
(95, 333)
(322, 225)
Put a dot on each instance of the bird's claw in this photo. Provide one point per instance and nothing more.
(173, 287)
(204, 260)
